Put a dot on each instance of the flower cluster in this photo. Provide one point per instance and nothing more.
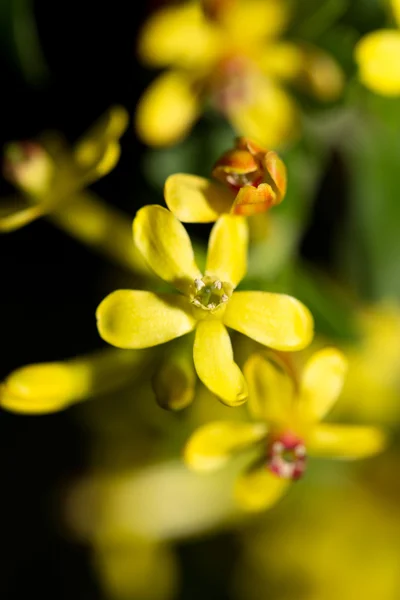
(230, 54)
(286, 406)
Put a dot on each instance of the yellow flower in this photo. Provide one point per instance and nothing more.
(286, 427)
(207, 303)
(49, 174)
(377, 57)
(253, 179)
(229, 53)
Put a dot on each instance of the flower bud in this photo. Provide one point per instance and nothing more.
(258, 177)
(27, 165)
(174, 382)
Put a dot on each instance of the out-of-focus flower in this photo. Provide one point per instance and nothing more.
(207, 303)
(286, 411)
(254, 180)
(52, 179)
(334, 541)
(49, 174)
(49, 387)
(372, 387)
(230, 54)
(131, 518)
(377, 57)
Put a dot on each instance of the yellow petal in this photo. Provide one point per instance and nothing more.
(321, 383)
(275, 320)
(259, 489)
(345, 441)
(195, 199)
(251, 21)
(97, 153)
(271, 390)
(17, 212)
(136, 319)
(174, 382)
(227, 249)
(166, 246)
(166, 110)
(396, 10)
(321, 75)
(213, 360)
(271, 116)
(178, 36)
(376, 56)
(211, 446)
(283, 60)
(49, 387)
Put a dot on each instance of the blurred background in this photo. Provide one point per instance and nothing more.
(95, 503)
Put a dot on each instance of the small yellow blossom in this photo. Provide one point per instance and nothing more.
(254, 180)
(377, 57)
(48, 174)
(228, 53)
(207, 303)
(286, 412)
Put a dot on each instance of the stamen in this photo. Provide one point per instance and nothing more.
(210, 293)
(287, 456)
(199, 284)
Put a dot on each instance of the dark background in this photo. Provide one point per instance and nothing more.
(48, 289)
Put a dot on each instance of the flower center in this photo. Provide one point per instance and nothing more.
(238, 180)
(232, 84)
(210, 293)
(287, 456)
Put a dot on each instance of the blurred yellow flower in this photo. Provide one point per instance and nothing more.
(49, 174)
(286, 411)
(372, 387)
(377, 57)
(253, 179)
(229, 53)
(343, 545)
(207, 303)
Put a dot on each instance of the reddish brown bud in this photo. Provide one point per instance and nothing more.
(258, 176)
